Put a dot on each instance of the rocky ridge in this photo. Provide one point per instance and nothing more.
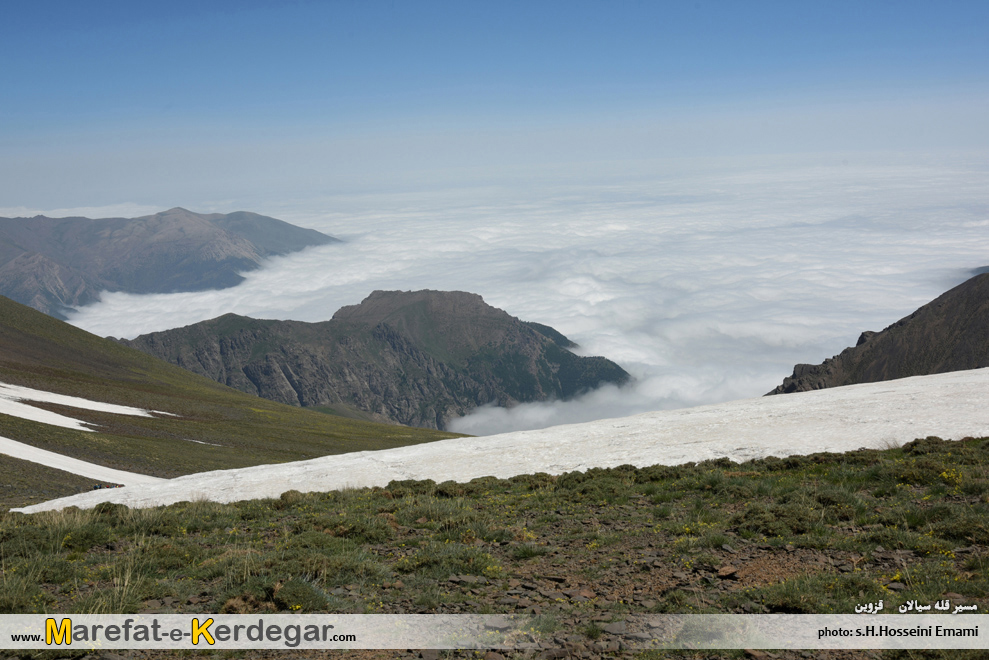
(53, 264)
(951, 333)
(417, 358)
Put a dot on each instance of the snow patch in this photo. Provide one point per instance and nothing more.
(840, 419)
(12, 399)
(96, 472)
(13, 396)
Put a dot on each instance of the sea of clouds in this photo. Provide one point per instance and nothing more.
(707, 282)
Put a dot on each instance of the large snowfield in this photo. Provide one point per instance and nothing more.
(876, 415)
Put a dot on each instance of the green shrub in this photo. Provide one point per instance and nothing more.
(570, 480)
(531, 482)
(444, 559)
(110, 512)
(299, 596)
(450, 489)
(362, 529)
(529, 550)
(86, 536)
(411, 487)
(778, 520)
(27, 541)
(929, 445)
(922, 471)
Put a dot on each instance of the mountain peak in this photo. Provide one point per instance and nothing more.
(413, 357)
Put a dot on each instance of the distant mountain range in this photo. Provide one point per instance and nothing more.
(951, 333)
(417, 358)
(53, 264)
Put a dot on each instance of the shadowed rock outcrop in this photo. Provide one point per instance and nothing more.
(951, 333)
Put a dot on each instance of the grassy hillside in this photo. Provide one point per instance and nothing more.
(585, 553)
(216, 427)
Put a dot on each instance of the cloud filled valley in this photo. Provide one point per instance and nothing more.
(706, 285)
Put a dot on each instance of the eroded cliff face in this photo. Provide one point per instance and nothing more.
(951, 333)
(418, 358)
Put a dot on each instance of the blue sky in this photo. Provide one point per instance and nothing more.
(365, 92)
(706, 192)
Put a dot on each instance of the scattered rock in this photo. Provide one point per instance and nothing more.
(499, 623)
(727, 572)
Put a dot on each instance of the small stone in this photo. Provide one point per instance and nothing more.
(429, 654)
(492, 655)
(498, 623)
(398, 584)
(727, 572)
(896, 586)
(616, 628)
(728, 548)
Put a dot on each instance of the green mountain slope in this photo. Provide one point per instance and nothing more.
(951, 333)
(216, 428)
(414, 357)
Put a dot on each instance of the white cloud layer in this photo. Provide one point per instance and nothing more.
(707, 284)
